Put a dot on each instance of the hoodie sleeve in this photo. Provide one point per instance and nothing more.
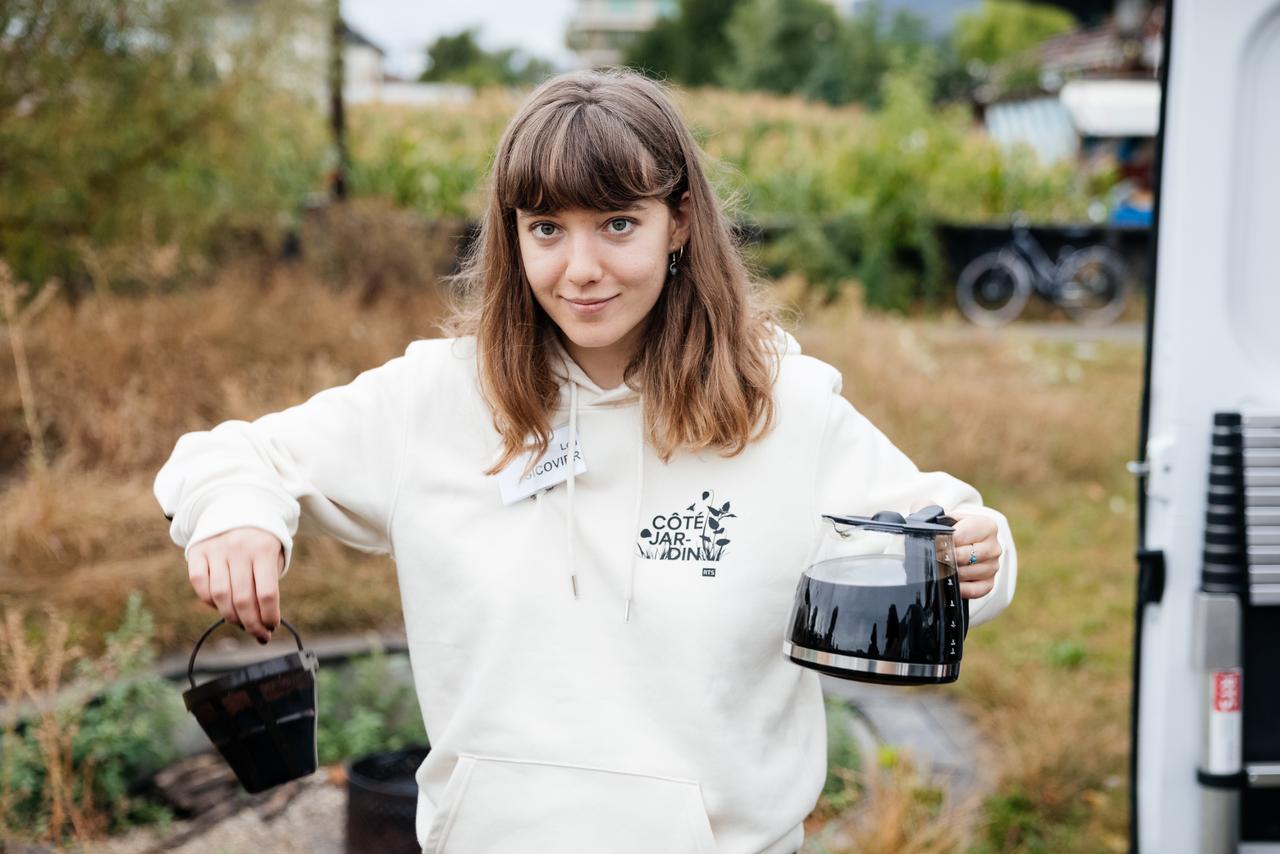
(860, 472)
(332, 460)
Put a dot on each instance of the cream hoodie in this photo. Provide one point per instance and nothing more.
(593, 675)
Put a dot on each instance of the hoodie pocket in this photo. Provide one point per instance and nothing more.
(511, 806)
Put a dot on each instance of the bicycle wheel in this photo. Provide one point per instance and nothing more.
(1093, 286)
(993, 288)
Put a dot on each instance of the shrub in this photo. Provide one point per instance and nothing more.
(73, 772)
(843, 758)
(365, 710)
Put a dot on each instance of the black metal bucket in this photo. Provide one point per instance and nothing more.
(382, 801)
(262, 717)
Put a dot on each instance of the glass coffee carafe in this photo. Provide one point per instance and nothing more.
(881, 600)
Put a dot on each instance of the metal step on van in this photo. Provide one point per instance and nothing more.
(1205, 768)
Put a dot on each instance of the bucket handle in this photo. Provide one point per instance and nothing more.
(192, 663)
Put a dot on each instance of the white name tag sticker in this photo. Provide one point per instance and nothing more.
(551, 469)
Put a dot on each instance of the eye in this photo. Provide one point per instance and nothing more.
(537, 225)
(625, 221)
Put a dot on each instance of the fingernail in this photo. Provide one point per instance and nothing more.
(262, 641)
(271, 627)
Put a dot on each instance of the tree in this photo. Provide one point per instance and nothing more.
(852, 66)
(689, 47)
(121, 119)
(459, 58)
(775, 43)
(1004, 34)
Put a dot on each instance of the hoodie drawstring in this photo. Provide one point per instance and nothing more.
(635, 524)
(573, 466)
(569, 538)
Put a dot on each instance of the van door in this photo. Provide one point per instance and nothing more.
(1206, 723)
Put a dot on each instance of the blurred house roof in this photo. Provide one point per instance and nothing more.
(353, 38)
(1126, 45)
(1083, 50)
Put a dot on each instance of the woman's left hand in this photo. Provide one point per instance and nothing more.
(976, 535)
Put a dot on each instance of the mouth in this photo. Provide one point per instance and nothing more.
(584, 306)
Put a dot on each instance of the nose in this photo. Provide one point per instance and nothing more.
(583, 266)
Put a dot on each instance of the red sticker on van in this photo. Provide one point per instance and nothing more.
(1226, 691)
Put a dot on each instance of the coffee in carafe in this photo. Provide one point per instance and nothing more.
(881, 602)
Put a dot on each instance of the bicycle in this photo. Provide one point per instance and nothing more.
(1090, 284)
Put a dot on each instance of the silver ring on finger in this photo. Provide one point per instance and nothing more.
(973, 555)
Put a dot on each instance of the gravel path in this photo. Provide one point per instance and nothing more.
(929, 724)
(312, 822)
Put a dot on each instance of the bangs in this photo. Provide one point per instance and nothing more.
(579, 156)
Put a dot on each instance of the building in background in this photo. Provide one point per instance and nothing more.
(299, 55)
(362, 60)
(601, 30)
(1125, 45)
(1098, 104)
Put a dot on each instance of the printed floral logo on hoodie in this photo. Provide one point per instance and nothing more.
(696, 532)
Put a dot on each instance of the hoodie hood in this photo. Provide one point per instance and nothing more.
(781, 342)
(578, 390)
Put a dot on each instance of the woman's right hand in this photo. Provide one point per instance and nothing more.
(238, 573)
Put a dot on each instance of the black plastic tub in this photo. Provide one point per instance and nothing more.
(382, 801)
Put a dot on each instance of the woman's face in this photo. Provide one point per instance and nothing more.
(598, 274)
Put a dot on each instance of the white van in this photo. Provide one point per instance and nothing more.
(1206, 721)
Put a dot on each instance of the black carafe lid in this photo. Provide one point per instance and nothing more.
(926, 520)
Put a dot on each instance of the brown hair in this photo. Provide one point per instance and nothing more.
(602, 140)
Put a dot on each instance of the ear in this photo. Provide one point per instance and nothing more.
(679, 223)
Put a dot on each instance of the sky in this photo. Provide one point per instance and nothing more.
(403, 28)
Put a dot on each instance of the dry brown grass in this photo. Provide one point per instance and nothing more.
(117, 385)
(900, 810)
(378, 248)
(16, 311)
(989, 407)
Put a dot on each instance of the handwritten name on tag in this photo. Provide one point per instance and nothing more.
(551, 469)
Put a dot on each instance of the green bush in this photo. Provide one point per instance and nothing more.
(130, 731)
(365, 711)
(843, 758)
(120, 740)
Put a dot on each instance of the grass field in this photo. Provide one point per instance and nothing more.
(1042, 429)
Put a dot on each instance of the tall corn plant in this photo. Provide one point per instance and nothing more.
(15, 312)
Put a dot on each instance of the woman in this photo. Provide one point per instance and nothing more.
(595, 626)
